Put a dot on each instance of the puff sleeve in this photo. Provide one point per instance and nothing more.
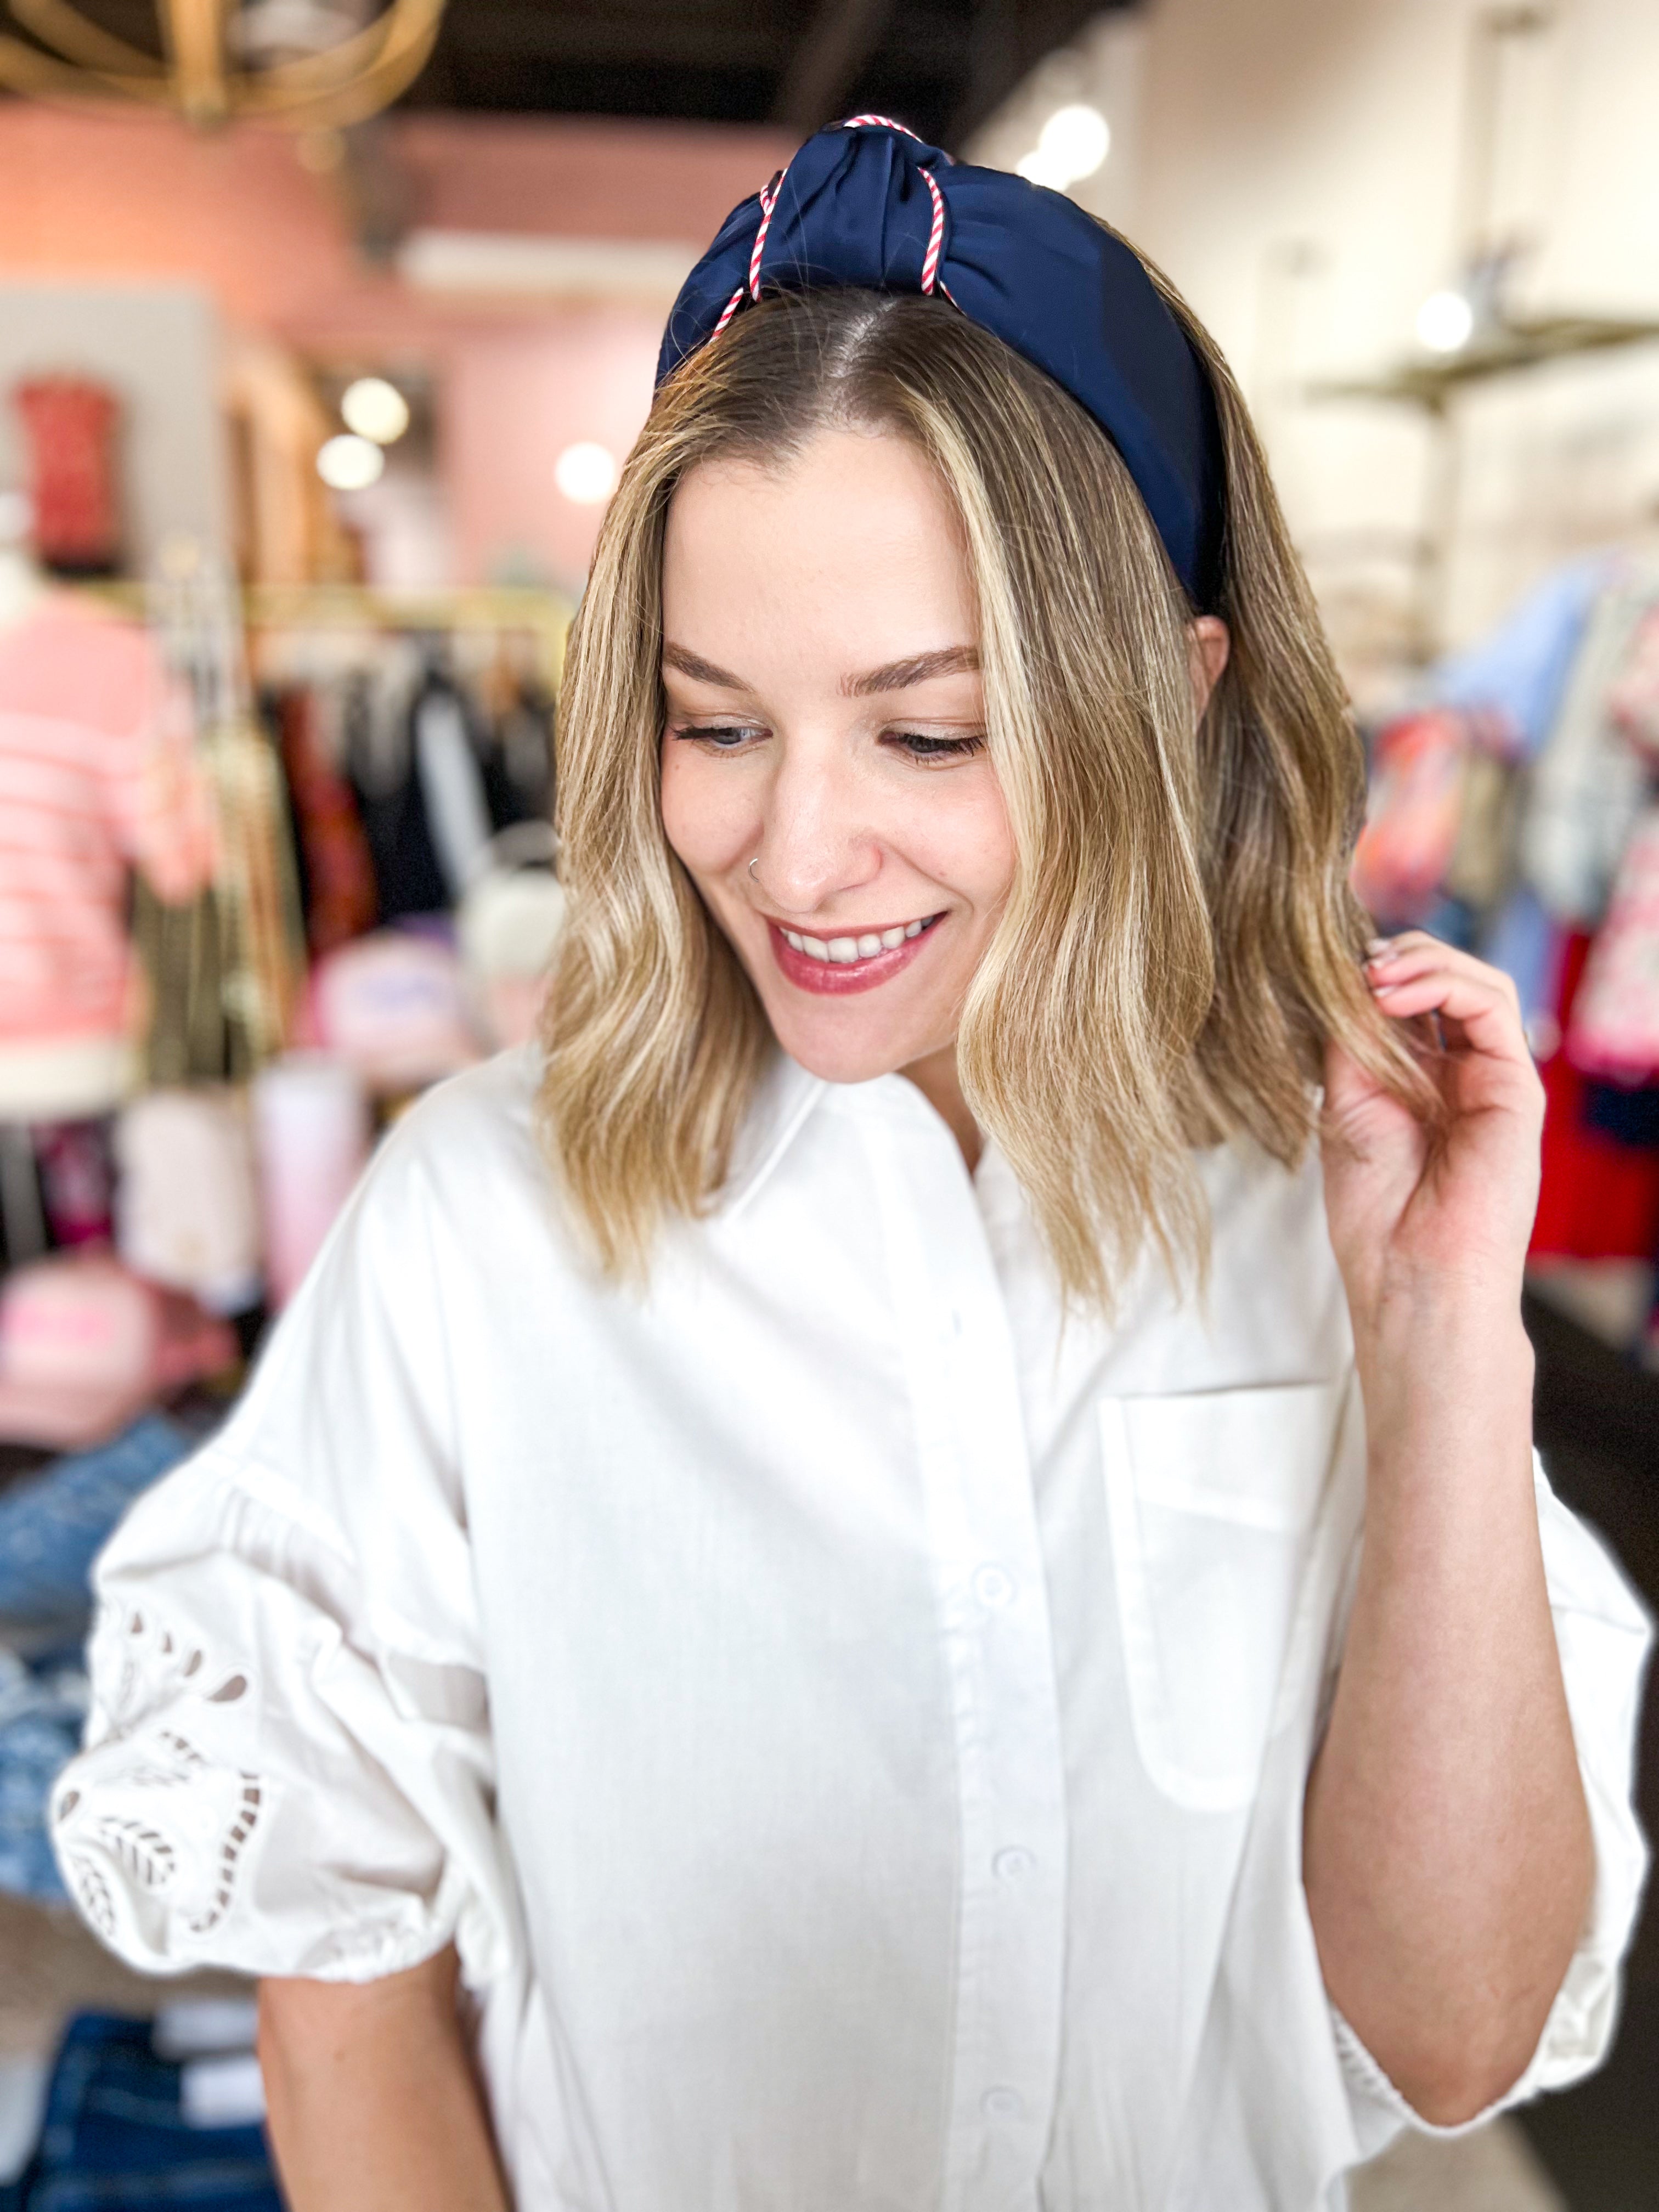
(288, 1765)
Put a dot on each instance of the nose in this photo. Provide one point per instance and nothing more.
(817, 839)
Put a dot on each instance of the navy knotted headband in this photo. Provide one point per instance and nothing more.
(867, 203)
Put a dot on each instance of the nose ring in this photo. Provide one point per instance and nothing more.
(754, 863)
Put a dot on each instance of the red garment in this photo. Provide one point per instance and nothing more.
(1599, 1198)
(340, 895)
(69, 424)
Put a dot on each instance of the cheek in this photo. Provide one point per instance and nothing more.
(963, 841)
(708, 817)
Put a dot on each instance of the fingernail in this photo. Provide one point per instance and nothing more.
(1380, 947)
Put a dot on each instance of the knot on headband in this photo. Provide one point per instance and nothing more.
(867, 203)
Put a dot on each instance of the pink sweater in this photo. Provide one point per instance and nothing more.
(97, 775)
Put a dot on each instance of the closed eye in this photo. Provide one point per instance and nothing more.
(724, 737)
(921, 748)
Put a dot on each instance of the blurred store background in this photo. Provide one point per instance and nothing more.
(325, 325)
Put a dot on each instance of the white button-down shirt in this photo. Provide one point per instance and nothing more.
(854, 1726)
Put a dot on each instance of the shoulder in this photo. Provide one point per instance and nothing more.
(470, 1138)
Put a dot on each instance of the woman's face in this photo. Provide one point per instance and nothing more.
(825, 721)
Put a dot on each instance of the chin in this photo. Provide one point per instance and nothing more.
(843, 1051)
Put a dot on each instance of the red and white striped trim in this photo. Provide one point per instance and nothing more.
(936, 237)
(769, 200)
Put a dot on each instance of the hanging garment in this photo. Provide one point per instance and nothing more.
(336, 870)
(97, 775)
(1519, 672)
(1614, 1030)
(1588, 785)
(518, 760)
(77, 1181)
(1633, 700)
(853, 1714)
(1629, 1117)
(447, 762)
(408, 879)
(1598, 1199)
(69, 426)
(1438, 821)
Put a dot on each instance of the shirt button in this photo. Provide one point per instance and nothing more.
(993, 1587)
(1003, 2105)
(1013, 1864)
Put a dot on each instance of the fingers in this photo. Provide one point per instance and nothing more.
(1416, 974)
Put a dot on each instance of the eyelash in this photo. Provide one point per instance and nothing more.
(917, 746)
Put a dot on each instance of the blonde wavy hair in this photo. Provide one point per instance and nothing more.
(1179, 938)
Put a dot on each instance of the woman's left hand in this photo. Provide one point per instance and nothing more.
(1412, 1219)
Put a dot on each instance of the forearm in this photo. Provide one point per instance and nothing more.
(371, 2098)
(1448, 1859)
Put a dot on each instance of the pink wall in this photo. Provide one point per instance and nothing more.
(512, 401)
(126, 196)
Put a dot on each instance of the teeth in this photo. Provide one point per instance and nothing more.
(841, 950)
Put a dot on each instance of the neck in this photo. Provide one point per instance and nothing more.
(937, 1079)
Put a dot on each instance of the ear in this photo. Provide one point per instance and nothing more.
(1208, 645)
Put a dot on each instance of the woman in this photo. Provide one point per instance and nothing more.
(802, 1543)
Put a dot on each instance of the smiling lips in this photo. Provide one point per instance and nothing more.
(836, 965)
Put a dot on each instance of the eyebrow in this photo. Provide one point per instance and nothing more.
(893, 676)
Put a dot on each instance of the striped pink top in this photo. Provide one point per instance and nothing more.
(97, 775)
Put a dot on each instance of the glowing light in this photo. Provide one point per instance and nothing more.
(374, 409)
(349, 463)
(1445, 322)
(586, 472)
(1071, 145)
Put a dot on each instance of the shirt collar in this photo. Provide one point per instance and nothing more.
(783, 1100)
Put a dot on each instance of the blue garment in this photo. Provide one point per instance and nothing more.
(53, 1524)
(855, 207)
(1526, 942)
(115, 2139)
(41, 1710)
(1519, 670)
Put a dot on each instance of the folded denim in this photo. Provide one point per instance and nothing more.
(42, 1708)
(54, 1523)
(115, 2136)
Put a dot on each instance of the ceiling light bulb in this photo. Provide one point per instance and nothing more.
(586, 472)
(1074, 142)
(1445, 322)
(374, 409)
(349, 463)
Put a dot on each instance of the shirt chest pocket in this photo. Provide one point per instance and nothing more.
(1211, 1502)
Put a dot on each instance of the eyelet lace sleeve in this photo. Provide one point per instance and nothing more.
(287, 1766)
